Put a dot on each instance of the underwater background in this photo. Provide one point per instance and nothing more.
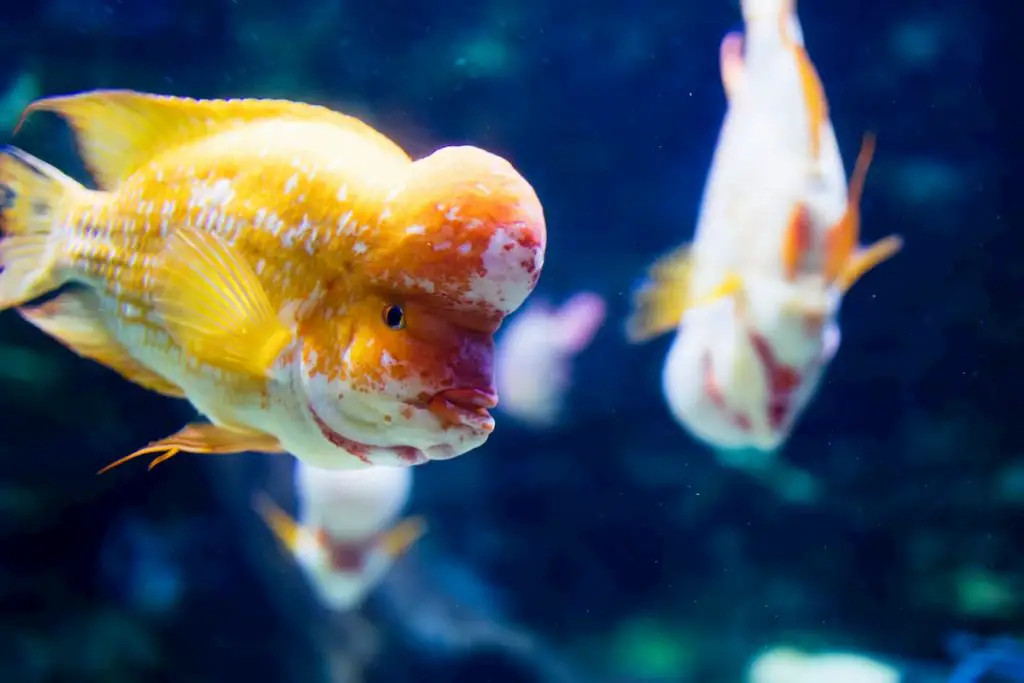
(610, 547)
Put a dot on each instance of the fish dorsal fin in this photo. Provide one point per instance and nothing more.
(118, 131)
(659, 304)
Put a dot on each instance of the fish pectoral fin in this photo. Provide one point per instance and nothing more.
(118, 131)
(730, 62)
(72, 319)
(214, 306)
(866, 258)
(280, 523)
(203, 438)
(397, 540)
(660, 303)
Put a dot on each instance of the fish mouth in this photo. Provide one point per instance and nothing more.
(462, 407)
(372, 455)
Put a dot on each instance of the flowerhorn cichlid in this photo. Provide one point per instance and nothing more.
(755, 297)
(286, 268)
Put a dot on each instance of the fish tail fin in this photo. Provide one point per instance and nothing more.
(658, 305)
(31, 195)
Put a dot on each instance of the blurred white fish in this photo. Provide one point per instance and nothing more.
(345, 538)
(533, 360)
(755, 298)
(787, 665)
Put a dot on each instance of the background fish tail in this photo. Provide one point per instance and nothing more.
(31, 196)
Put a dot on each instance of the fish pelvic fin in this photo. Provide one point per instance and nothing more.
(214, 306)
(33, 195)
(118, 131)
(73, 319)
(203, 438)
(845, 260)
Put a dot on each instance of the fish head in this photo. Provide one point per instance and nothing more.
(738, 378)
(460, 247)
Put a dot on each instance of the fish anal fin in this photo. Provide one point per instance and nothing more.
(397, 540)
(660, 303)
(796, 240)
(203, 438)
(72, 319)
(214, 306)
(118, 131)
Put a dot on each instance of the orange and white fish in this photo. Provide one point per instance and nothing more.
(755, 297)
(347, 538)
(286, 268)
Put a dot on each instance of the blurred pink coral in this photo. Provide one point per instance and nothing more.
(533, 361)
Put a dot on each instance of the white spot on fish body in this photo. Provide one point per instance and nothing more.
(343, 222)
(343, 193)
(441, 246)
(359, 248)
(385, 214)
(386, 359)
(415, 230)
(291, 183)
(452, 213)
(465, 248)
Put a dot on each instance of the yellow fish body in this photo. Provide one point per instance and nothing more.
(755, 297)
(286, 268)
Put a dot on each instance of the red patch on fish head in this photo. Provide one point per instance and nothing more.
(466, 231)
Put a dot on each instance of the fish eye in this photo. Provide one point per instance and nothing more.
(394, 317)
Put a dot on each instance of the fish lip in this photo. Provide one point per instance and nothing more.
(465, 407)
(409, 455)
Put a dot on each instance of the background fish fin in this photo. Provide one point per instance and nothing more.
(280, 523)
(72, 319)
(397, 540)
(214, 306)
(659, 304)
(118, 131)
